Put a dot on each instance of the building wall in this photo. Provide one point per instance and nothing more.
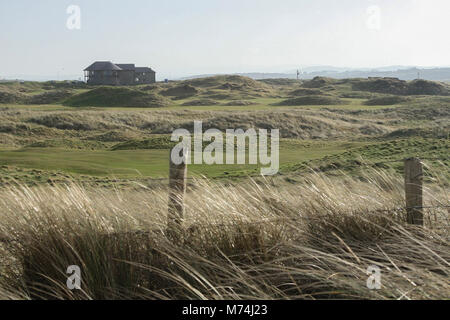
(145, 77)
(126, 77)
(102, 77)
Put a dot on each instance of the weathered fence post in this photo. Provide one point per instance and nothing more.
(177, 190)
(413, 191)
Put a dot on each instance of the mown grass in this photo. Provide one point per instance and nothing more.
(296, 157)
(147, 162)
(258, 104)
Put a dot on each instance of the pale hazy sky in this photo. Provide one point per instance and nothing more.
(184, 37)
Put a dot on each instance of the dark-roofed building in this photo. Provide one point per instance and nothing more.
(108, 73)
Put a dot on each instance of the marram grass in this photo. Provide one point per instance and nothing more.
(262, 239)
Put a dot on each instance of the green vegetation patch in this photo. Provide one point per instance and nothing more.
(240, 103)
(435, 132)
(201, 102)
(160, 142)
(50, 97)
(306, 92)
(385, 101)
(113, 136)
(383, 155)
(228, 82)
(318, 82)
(402, 87)
(8, 95)
(67, 144)
(70, 121)
(312, 100)
(117, 97)
(180, 92)
(231, 87)
(225, 95)
(281, 82)
(66, 84)
(425, 87)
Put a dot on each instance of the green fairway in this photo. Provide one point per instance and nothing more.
(295, 155)
(258, 104)
(150, 163)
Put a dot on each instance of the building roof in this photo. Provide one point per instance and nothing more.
(108, 65)
(102, 65)
(126, 66)
(143, 69)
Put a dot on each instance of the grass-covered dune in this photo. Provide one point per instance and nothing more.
(321, 100)
(116, 97)
(105, 143)
(180, 92)
(385, 101)
(401, 87)
(222, 89)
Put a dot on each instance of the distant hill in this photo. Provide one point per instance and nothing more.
(437, 74)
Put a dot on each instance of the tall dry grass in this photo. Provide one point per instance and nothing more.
(255, 240)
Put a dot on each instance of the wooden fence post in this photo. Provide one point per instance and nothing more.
(413, 191)
(177, 190)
